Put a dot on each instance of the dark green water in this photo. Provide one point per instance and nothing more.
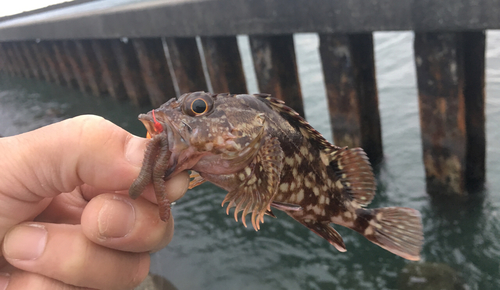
(211, 251)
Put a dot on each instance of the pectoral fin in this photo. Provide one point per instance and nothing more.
(260, 180)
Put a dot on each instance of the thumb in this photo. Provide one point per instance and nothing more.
(39, 165)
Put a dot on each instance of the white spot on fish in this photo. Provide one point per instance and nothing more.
(252, 180)
(324, 158)
(300, 195)
(316, 192)
(284, 187)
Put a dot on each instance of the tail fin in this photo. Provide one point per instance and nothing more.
(396, 229)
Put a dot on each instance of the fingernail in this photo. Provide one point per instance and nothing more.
(25, 242)
(134, 151)
(116, 218)
(4, 280)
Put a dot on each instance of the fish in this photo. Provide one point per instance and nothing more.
(266, 156)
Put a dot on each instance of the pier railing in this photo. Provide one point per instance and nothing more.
(82, 46)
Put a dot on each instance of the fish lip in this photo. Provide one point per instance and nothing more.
(148, 122)
(177, 143)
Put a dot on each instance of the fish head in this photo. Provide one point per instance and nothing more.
(219, 133)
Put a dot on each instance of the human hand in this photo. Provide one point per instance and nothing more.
(66, 220)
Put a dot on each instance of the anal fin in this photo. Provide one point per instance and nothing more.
(326, 232)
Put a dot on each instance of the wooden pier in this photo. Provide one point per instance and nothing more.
(147, 52)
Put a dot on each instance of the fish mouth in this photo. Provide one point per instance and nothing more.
(180, 151)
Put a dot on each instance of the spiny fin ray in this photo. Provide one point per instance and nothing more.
(328, 233)
(396, 229)
(355, 173)
(260, 183)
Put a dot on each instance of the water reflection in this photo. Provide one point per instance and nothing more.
(464, 234)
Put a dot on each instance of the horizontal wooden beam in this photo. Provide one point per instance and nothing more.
(167, 18)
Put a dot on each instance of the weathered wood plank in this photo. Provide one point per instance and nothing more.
(276, 69)
(186, 64)
(130, 71)
(440, 73)
(224, 66)
(109, 68)
(72, 57)
(154, 69)
(90, 67)
(64, 66)
(474, 70)
(349, 71)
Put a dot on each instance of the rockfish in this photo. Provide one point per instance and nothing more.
(267, 156)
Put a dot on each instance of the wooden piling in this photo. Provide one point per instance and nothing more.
(186, 64)
(224, 66)
(349, 71)
(130, 71)
(450, 71)
(3, 61)
(15, 53)
(17, 68)
(90, 67)
(154, 69)
(29, 58)
(276, 68)
(64, 66)
(47, 53)
(7, 62)
(40, 61)
(71, 55)
(474, 45)
(109, 68)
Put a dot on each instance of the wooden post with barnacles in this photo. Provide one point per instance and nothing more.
(450, 71)
(276, 69)
(349, 70)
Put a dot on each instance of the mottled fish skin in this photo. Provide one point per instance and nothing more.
(265, 155)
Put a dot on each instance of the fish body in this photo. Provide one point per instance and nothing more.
(267, 156)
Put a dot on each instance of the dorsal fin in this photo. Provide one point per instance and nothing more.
(355, 173)
(299, 123)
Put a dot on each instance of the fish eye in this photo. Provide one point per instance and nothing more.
(197, 104)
